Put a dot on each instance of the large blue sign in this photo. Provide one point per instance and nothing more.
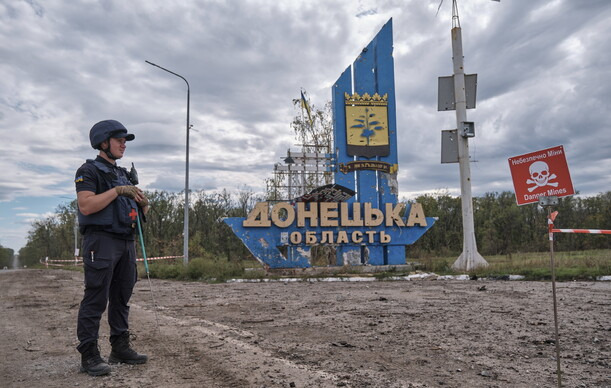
(371, 227)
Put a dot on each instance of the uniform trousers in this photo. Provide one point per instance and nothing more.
(110, 275)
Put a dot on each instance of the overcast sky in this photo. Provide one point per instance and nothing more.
(544, 79)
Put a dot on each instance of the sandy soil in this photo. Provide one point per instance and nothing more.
(424, 333)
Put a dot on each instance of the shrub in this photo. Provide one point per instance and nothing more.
(166, 270)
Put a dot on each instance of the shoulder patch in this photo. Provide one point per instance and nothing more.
(79, 179)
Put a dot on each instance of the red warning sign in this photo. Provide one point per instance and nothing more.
(540, 174)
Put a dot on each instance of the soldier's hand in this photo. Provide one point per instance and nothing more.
(144, 202)
(129, 191)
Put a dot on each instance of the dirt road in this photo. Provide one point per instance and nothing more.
(424, 333)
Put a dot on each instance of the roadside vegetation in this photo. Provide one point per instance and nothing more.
(512, 239)
(570, 265)
(6, 257)
(582, 265)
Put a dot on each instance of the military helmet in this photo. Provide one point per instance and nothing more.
(106, 129)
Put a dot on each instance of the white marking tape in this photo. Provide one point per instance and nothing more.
(160, 258)
(593, 231)
(79, 260)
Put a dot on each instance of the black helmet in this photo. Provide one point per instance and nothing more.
(106, 129)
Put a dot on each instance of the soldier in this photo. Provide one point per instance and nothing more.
(108, 204)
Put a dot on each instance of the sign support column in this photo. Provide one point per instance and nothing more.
(470, 257)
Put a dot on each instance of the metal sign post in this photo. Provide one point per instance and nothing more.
(548, 202)
(543, 176)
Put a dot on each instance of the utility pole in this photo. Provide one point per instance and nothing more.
(470, 257)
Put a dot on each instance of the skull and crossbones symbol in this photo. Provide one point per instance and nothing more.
(540, 176)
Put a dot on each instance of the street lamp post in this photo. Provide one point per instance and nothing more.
(186, 222)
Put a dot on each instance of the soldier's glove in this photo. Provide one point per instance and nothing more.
(127, 191)
(144, 202)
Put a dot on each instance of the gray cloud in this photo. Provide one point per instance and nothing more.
(543, 73)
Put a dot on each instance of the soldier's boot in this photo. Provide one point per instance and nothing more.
(122, 351)
(92, 362)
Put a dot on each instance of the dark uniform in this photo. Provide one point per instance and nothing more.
(108, 250)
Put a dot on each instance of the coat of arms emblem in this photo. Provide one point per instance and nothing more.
(367, 125)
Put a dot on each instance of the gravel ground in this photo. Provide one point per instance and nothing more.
(421, 333)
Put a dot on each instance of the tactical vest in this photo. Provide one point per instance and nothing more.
(120, 215)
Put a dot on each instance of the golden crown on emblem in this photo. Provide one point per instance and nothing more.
(366, 99)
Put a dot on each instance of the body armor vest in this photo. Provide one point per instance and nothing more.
(119, 216)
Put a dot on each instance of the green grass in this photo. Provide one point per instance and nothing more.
(199, 269)
(208, 268)
(582, 265)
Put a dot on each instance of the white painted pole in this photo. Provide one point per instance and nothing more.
(470, 257)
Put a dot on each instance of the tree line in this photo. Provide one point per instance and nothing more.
(162, 227)
(6, 257)
(501, 226)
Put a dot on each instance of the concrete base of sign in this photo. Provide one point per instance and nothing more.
(468, 261)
